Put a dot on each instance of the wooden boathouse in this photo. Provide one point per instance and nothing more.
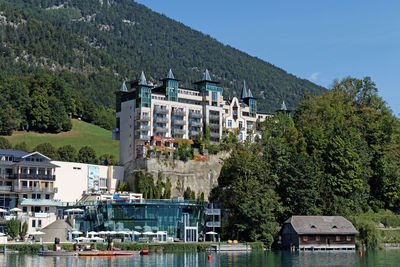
(318, 233)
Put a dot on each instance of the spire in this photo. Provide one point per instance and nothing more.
(283, 106)
(170, 75)
(206, 76)
(244, 94)
(123, 87)
(142, 79)
(250, 95)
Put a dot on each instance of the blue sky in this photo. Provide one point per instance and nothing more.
(317, 40)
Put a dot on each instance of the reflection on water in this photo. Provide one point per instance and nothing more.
(267, 258)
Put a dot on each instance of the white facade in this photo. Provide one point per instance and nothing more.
(73, 179)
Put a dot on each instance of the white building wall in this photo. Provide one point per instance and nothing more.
(72, 179)
(126, 144)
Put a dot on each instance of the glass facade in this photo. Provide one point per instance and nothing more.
(253, 107)
(143, 98)
(172, 90)
(153, 215)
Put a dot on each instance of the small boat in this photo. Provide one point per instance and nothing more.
(105, 253)
(144, 252)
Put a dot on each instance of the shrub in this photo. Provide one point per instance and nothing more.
(12, 228)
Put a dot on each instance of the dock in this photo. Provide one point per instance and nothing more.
(233, 247)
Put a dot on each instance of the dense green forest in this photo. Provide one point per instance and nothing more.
(338, 155)
(92, 46)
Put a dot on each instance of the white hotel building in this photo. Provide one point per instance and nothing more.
(149, 115)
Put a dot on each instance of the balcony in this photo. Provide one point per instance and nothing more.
(160, 129)
(215, 135)
(39, 202)
(178, 131)
(213, 224)
(213, 211)
(214, 117)
(143, 137)
(178, 122)
(161, 110)
(214, 126)
(5, 188)
(194, 133)
(195, 124)
(34, 189)
(195, 115)
(144, 128)
(49, 177)
(181, 113)
(143, 118)
(161, 120)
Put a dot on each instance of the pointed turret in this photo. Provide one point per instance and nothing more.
(123, 87)
(206, 76)
(283, 106)
(244, 94)
(170, 75)
(142, 79)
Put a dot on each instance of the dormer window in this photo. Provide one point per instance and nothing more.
(313, 226)
(334, 227)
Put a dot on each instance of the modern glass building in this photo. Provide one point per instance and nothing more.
(181, 219)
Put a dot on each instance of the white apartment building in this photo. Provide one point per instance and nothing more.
(151, 115)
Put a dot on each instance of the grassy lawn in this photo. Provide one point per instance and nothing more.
(82, 134)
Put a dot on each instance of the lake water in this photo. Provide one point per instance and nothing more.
(267, 258)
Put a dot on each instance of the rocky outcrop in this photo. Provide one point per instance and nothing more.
(200, 176)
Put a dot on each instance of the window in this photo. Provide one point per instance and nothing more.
(38, 196)
(338, 238)
(47, 196)
(305, 238)
(240, 124)
(33, 223)
(39, 223)
(46, 209)
(317, 238)
(33, 196)
(229, 123)
(25, 196)
(24, 209)
(76, 168)
(348, 237)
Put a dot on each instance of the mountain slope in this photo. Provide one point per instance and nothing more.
(121, 38)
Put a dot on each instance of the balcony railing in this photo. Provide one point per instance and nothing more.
(195, 115)
(34, 189)
(143, 137)
(213, 211)
(213, 224)
(50, 177)
(178, 112)
(144, 128)
(178, 131)
(194, 133)
(214, 117)
(214, 126)
(195, 124)
(161, 111)
(215, 135)
(5, 188)
(178, 122)
(161, 120)
(160, 129)
(142, 118)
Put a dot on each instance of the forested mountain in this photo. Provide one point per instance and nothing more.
(107, 41)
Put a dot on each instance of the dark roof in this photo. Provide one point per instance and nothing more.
(14, 153)
(321, 225)
(36, 164)
(244, 91)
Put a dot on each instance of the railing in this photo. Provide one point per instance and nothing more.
(178, 122)
(195, 115)
(214, 117)
(142, 118)
(214, 126)
(161, 120)
(5, 188)
(194, 133)
(160, 129)
(195, 124)
(178, 131)
(213, 224)
(143, 137)
(34, 189)
(179, 113)
(161, 110)
(215, 135)
(213, 211)
(143, 128)
(35, 176)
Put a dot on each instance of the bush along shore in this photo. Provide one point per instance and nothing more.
(152, 247)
